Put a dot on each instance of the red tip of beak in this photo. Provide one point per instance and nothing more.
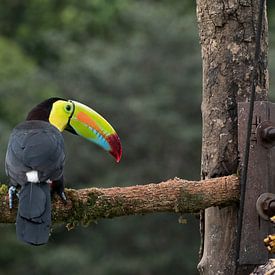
(116, 149)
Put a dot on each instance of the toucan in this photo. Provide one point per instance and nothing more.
(35, 160)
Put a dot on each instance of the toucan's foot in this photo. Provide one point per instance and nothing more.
(12, 192)
(58, 188)
(269, 242)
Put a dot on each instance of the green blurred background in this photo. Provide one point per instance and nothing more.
(138, 63)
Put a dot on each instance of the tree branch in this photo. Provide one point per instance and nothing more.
(175, 195)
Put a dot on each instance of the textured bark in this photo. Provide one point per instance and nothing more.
(227, 35)
(176, 195)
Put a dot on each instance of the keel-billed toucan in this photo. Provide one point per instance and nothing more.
(35, 160)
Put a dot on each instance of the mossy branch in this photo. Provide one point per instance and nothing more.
(175, 195)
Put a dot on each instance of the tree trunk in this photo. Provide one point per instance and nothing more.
(227, 34)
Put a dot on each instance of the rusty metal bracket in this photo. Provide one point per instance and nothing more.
(265, 206)
(266, 133)
(260, 179)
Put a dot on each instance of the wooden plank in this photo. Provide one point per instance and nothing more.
(261, 175)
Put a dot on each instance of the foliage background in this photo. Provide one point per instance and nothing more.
(138, 63)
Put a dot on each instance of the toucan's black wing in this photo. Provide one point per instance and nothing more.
(35, 145)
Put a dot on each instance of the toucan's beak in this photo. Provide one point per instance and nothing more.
(89, 124)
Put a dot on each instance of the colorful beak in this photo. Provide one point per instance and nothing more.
(89, 124)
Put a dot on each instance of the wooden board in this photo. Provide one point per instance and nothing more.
(260, 179)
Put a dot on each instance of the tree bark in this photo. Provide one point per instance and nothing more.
(175, 195)
(227, 35)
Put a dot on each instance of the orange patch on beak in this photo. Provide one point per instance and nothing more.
(87, 120)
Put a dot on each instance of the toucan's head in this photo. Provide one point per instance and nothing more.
(78, 119)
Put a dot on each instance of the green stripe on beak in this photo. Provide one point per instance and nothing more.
(89, 124)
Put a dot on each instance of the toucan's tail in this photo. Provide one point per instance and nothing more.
(33, 220)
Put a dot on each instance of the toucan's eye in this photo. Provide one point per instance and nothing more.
(68, 108)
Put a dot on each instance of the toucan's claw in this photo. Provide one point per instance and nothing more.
(63, 197)
(60, 194)
(12, 192)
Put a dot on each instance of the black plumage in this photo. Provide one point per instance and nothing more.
(35, 145)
